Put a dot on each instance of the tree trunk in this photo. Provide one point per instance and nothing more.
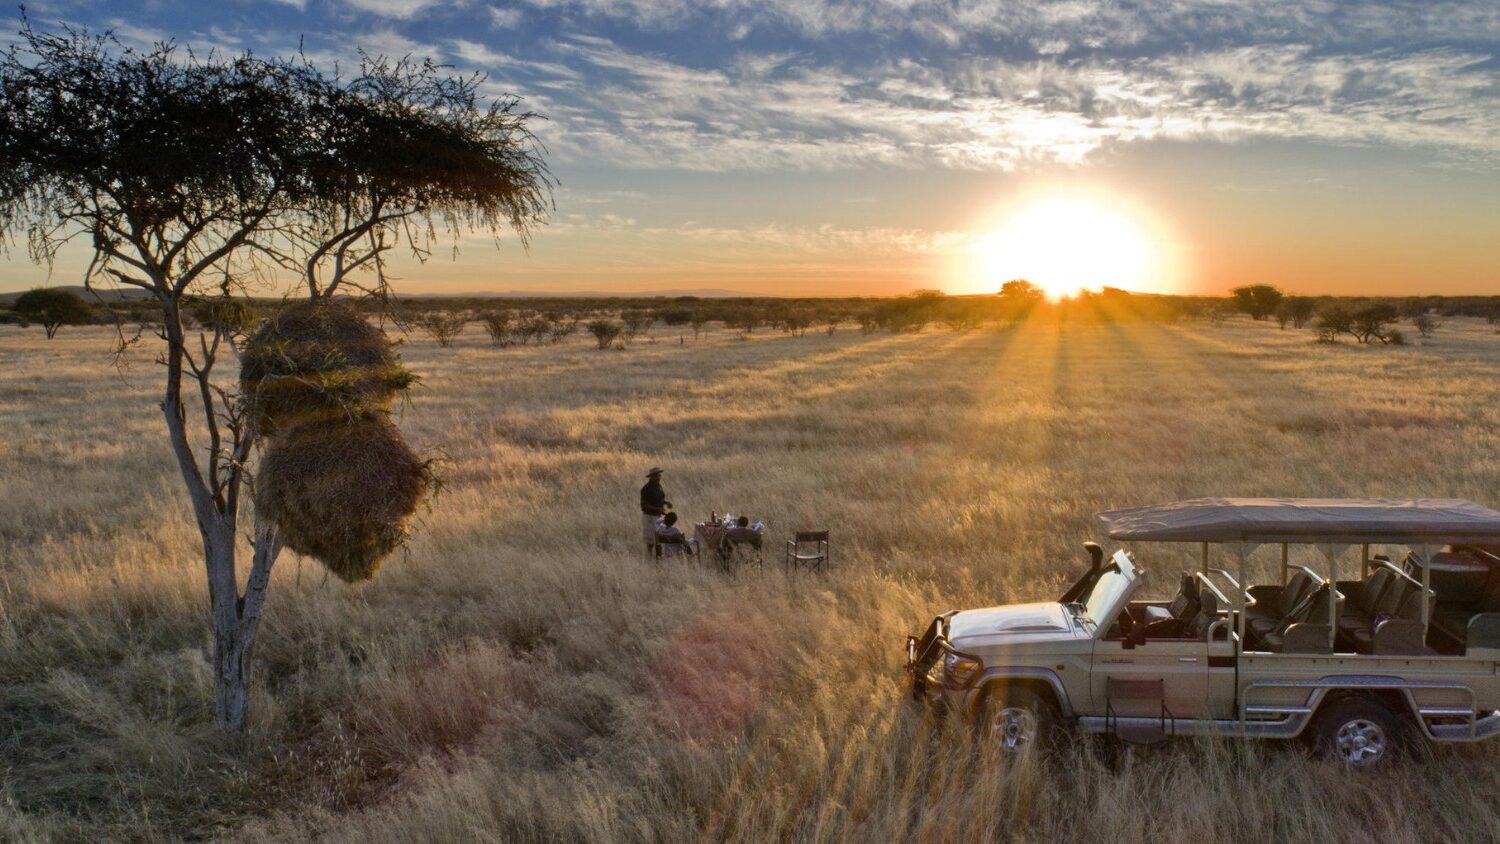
(231, 660)
(231, 679)
(236, 619)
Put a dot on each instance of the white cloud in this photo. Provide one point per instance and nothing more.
(990, 113)
(397, 9)
(505, 17)
(1077, 21)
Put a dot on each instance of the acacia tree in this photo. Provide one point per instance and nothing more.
(1257, 300)
(188, 176)
(54, 308)
(1017, 299)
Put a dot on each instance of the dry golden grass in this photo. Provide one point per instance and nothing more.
(523, 676)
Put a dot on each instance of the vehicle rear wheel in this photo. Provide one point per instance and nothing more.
(1360, 732)
(1016, 719)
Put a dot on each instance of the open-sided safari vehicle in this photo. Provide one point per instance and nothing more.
(1409, 650)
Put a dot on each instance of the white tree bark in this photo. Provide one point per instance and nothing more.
(235, 616)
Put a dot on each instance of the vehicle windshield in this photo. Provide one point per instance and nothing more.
(1110, 590)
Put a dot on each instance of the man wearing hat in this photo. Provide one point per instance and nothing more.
(654, 504)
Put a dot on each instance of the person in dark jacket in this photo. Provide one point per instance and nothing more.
(654, 504)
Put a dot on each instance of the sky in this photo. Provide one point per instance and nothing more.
(829, 147)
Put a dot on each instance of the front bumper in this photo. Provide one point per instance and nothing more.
(924, 664)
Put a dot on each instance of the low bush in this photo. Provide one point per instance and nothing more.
(443, 326)
(605, 332)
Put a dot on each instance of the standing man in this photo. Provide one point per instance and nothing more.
(654, 504)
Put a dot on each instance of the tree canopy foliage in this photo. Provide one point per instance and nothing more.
(53, 308)
(1257, 300)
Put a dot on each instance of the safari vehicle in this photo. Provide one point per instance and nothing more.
(1408, 651)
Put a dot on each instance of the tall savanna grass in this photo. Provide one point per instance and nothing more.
(522, 674)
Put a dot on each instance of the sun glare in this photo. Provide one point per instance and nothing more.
(1066, 244)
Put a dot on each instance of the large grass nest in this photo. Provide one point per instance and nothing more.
(318, 360)
(342, 491)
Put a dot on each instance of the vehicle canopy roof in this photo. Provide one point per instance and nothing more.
(1392, 521)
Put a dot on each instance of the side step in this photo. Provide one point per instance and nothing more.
(1477, 730)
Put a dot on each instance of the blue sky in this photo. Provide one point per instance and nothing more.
(815, 146)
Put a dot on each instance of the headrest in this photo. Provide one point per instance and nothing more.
(1208, 602)
(1302, 580)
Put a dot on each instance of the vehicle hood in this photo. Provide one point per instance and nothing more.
(1011, 624)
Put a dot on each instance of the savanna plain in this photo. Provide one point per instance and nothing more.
(521, 673)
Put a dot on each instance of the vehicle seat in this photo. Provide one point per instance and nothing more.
(1208, 613)
(1183, 607)
(1466, 583)
(1313, 610)
(1273, 605)
(1380, 592)
(1408, 608)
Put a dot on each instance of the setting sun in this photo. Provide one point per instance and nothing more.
(1066, 244)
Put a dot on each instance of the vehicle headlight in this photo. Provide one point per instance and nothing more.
(960, 669)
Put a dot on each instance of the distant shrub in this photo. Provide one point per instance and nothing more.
(698, 321)
(227, 316)
(1333, 321)
(532, 327)
(1373, 322)
(605, 331)
(674, 316)
(745, 320)
(443, 326)
(1297, 310)
(1425, 324)
(796, 322)
(1394, 337)
(497, 324)
(561, 328)
(637, 322)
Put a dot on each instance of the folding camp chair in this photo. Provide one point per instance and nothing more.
(815, 557)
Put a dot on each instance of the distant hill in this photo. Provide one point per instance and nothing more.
(92, 296)
(703, 293)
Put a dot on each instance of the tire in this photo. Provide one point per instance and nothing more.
(1359, 732)
(1017, 720)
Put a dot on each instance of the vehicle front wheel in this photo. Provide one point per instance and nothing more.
(1016, 719)
(1359, 732)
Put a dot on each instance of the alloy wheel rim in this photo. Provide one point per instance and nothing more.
(1014, 728)
(1361, 742)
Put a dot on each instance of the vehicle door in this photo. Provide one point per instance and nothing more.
(1181, 664)
(1223, 658)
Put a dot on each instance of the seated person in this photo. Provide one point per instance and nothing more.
(673, 542)
(742, 532)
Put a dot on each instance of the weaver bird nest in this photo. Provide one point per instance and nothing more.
(335, 476)
(318, 360)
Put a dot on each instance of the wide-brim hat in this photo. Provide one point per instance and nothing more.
(655, 470)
